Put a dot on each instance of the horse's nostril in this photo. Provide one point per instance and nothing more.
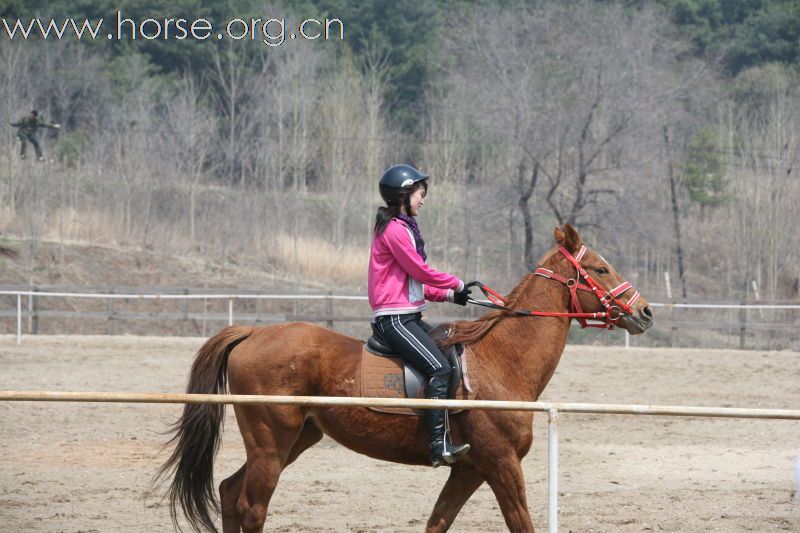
(646, 313)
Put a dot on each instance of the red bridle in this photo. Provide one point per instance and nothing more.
(615, 308)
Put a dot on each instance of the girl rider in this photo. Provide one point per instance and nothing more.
(399, 283)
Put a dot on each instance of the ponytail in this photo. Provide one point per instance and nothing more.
(383, 217)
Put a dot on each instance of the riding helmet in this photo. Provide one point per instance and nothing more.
(396, 179)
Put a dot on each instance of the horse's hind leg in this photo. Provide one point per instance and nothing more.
(229, 491)
(310, 435)
(231, 488)
(269, 435)
(461, 484)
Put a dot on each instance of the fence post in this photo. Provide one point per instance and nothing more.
(30, 309)
(34, 314)
(552, 470)
(742, 326)
(205, 315)
(329, 310)
(19, 318)
(110, 310)
(230, 311)
(672, 330)
(185, 310)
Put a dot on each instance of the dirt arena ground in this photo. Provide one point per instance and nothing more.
(86, 467)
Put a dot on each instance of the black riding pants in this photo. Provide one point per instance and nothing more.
(408, 334)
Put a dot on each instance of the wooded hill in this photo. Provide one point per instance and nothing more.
(667, 131)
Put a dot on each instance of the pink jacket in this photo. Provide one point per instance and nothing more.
(399, 281)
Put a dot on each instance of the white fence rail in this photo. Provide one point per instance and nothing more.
(169, 296)
(741, 326)
(552, 409)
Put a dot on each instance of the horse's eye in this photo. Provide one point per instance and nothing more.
(601, 270)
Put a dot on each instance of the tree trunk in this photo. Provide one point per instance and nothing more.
(526, 191)
(191, 212)
(675, 213)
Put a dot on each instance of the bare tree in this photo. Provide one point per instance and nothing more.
(350, 133)
(765, 133)
(72, 93)
(375, 69)
(18, 96)
(191, 141)
(445, 152)
(128, 142)
(287, 96)
(232, 65)
(562, 90)
(676, 213)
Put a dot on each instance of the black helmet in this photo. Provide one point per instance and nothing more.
(398, 179)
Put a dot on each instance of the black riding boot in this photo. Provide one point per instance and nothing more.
(441, 450)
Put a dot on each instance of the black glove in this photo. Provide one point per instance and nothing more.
(460, 297)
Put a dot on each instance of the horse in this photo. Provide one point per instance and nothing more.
(517, 355)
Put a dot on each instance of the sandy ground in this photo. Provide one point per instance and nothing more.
(86, 467)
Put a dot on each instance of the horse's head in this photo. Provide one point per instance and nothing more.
(595, 285)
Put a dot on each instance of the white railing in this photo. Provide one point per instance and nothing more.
(725, 306)
(552, 409)
(123, 296)
(328, 297)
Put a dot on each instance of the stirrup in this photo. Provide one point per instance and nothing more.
(453, 452)
(448, 455)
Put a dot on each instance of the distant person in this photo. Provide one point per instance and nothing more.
(27, 131)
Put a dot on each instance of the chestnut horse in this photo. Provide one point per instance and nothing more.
(517, 356)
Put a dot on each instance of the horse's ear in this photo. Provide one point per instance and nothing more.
(559, 236)
(572, 241)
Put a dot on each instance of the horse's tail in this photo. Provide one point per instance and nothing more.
(197, 433)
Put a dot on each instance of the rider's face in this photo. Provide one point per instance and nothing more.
(417, 200)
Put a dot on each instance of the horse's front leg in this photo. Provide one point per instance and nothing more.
(461, 484)
(508, 484)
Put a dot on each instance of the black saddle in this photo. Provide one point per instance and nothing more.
(415, 380)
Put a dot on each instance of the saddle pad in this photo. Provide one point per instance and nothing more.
(382, 377)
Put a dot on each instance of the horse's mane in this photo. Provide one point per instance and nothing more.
(470, 331)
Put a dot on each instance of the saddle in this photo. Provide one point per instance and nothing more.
(384, 373)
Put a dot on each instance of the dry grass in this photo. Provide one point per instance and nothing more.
(6, 217)
(86, 226)
(318, 259)
(309, 260)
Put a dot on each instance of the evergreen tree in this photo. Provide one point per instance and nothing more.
(704, 171)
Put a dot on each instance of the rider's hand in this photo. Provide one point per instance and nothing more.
(461, 297)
